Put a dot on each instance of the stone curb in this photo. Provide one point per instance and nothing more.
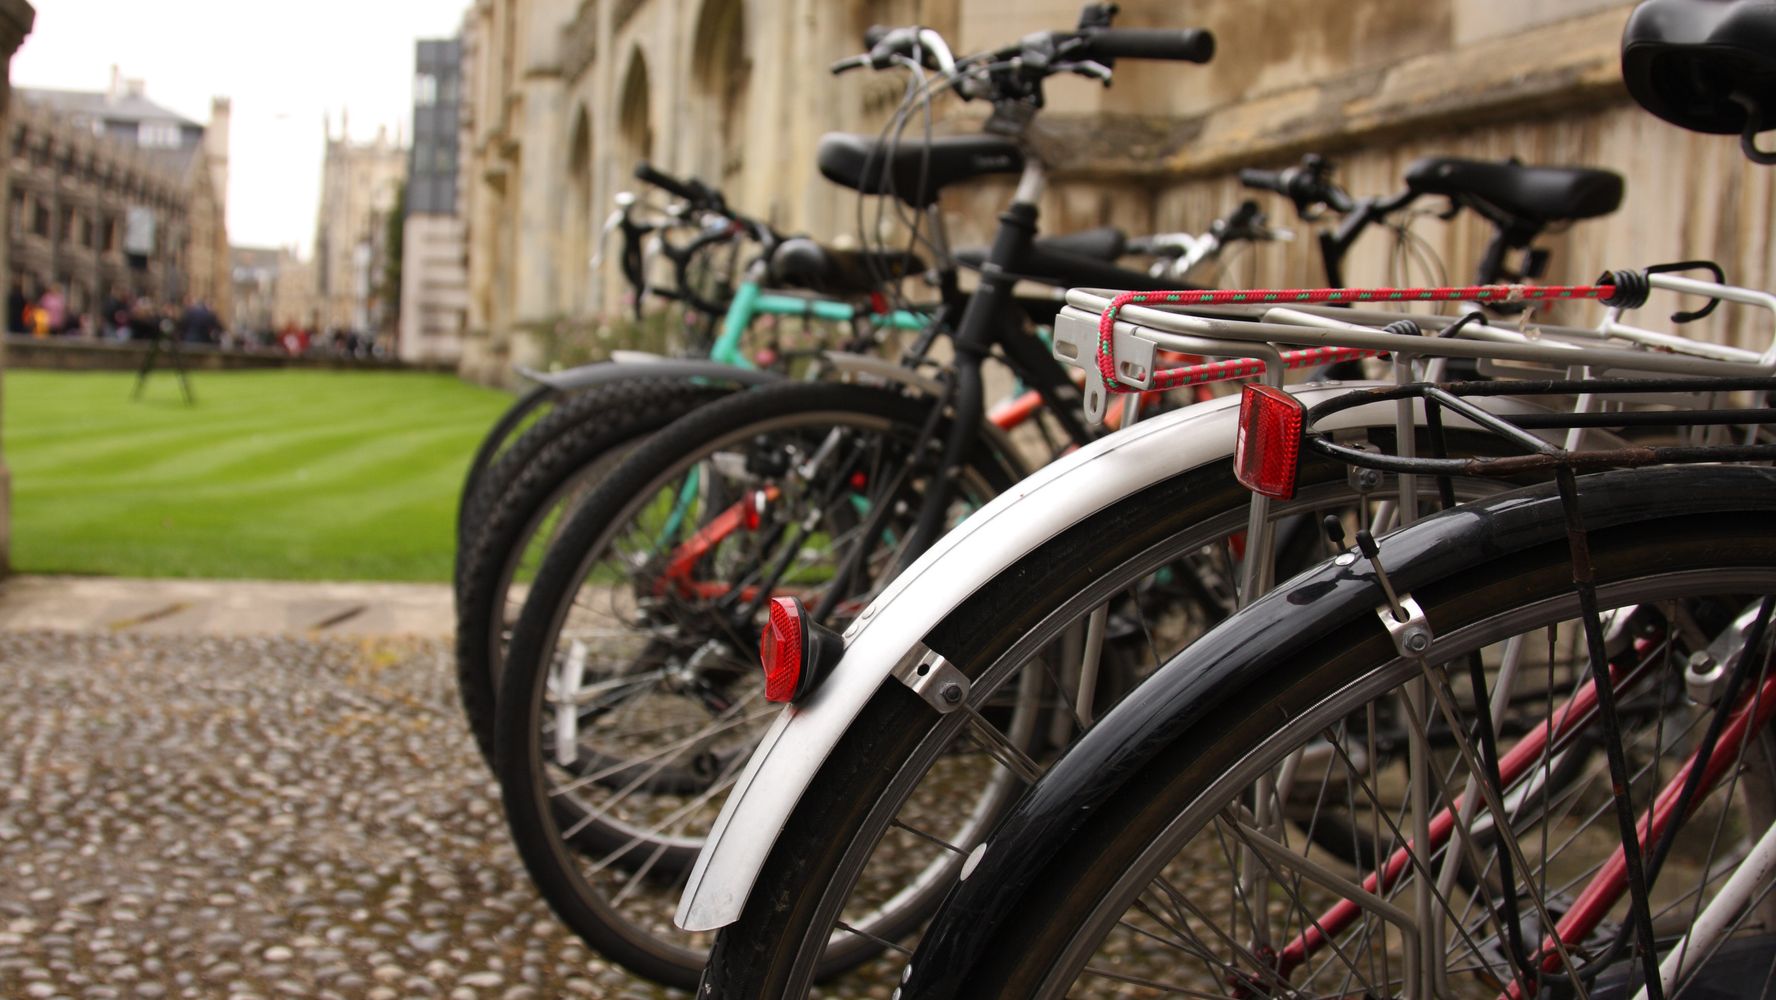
(225, 607)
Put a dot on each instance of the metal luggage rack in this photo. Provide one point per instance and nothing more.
(1261, 334)
(1539, 452)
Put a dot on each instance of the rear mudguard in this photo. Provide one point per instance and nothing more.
(892, 629)
(1236, 653)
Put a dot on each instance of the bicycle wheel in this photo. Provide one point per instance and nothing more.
(906, 794)
(1189, 874)
(542, 479)
(632, 695)
(503, 433)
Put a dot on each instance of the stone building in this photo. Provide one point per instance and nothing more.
(565, 95)
(255, 276)
(16, 17)
(273, 288)
(434, 269)
(360, 184)
(109, 190)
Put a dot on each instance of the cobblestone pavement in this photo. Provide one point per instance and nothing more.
(259, 816)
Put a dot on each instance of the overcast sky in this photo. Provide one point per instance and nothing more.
(284, 64)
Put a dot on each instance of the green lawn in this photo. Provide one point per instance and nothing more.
(291, 475)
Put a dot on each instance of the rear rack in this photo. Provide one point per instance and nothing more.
(1264, 333)
(1540, 454)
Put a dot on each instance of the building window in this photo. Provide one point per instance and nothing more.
(425, 90)
(158, 135)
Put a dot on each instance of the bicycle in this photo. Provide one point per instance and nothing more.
(1648, 585)
(1303, 705)
(605, 409)
(782, 898)
(555, 748)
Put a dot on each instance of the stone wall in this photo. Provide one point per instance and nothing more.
(567, 95)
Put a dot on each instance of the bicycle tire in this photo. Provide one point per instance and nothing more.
(1682, 543)
(585, 432)
(553, 859)
(503, 433)
(768, 951)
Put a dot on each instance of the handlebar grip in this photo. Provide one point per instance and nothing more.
(1265, 180)
(1195, 45)
(688, 190)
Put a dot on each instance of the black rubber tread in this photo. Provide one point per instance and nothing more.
(504, 433)
(558, 580)
(573, 437)
(1103, 848)
(752, 957)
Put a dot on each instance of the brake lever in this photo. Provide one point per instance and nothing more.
(1087, 68)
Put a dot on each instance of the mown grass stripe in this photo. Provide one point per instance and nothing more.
(277, 475)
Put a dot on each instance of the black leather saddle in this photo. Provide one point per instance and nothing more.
(914, 172)
(1536, 196)
(1705, 65)
(803, 263)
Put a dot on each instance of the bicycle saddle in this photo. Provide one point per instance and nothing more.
(1534, 195)
(1684, 60)
(872, 166)
(803, 263)
(1103, 243)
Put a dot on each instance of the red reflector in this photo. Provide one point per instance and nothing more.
(780, 649)
(1268, 447)
(752, 510)
(859, 480)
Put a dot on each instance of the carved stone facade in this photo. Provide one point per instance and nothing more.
(565, 96)
(15, 23)
(360, 182)
(94, 179)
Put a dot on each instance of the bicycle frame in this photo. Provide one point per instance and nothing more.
(752, 300)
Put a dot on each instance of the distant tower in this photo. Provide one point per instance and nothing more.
(216, 145)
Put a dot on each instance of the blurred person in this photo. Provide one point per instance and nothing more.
(144, 319)
(115, 314)
(199, 324)
(55, 305)
(16, 304)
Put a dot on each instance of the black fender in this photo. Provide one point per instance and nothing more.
(1238, 652)
(600, 373)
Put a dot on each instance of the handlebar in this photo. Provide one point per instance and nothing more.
(1308, 184)
(1106, 45)
(1091, 50)
(691, 190)
(1293, 183)
(885, 46)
